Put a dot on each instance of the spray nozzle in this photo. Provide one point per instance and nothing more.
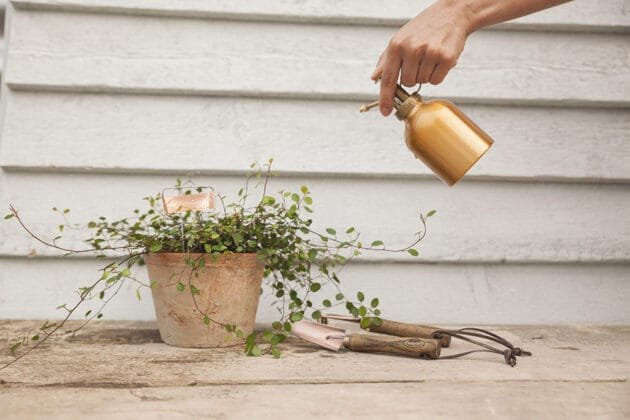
(400, 96)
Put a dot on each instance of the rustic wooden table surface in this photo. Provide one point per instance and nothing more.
(122, 370)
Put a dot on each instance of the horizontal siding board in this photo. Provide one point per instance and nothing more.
(237, 81)
(476, 221)
(143, 133)
(122, 53)
(601, 15)
(444, 293)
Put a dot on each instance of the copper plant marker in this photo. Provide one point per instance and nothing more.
(188, 202)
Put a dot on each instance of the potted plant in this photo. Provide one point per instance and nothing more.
(206, 267)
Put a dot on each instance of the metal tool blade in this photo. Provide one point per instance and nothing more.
(323, 335)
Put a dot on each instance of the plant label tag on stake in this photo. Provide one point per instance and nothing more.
(188, 202)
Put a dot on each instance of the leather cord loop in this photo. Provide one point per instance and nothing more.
(510, 353)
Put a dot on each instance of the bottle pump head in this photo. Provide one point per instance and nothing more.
(403, 102)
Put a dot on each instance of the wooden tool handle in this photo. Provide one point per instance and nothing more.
(403, 346)
(402, 329)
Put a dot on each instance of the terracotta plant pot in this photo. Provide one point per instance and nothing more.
(229, 291)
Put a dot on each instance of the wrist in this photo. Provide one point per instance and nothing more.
(464, 13)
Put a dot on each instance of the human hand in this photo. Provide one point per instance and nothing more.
(422, 51)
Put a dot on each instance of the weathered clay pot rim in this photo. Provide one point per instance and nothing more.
(241, 259)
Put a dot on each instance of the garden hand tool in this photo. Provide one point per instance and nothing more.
(399, 329)
(334, 338)
(439, 134)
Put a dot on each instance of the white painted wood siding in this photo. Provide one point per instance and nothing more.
(3, 6)
(104, 101)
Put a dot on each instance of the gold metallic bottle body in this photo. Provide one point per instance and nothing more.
(440, 135)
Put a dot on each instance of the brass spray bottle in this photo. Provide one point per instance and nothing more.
(439, 134)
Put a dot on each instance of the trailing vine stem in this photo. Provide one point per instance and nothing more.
(299, 260)
(50, 244)
(50, 329)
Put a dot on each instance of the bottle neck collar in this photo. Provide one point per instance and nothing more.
(404, 106)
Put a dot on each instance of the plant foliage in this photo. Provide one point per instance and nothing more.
(300, 261)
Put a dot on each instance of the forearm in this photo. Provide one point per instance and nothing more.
(482, 13)
(427, 47)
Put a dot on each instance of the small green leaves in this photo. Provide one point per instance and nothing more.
(296, 316)
(365, 322)
(331, 231)
(14, 348)
(304, 189)
(326, 303)
(206, 320)
(180, 287)
(316, 315)
(277, 339)
(431, 213)
(374, 303)
(315, 287)
(255, 351)
(413, 252)
(360, 296)
(138, 296)
(194, 290)
(155, 247)
(8, 216)
(268, 201)
(276, 353)
(251, 349)
(339, 296)
(350, 230)
(377, 243)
